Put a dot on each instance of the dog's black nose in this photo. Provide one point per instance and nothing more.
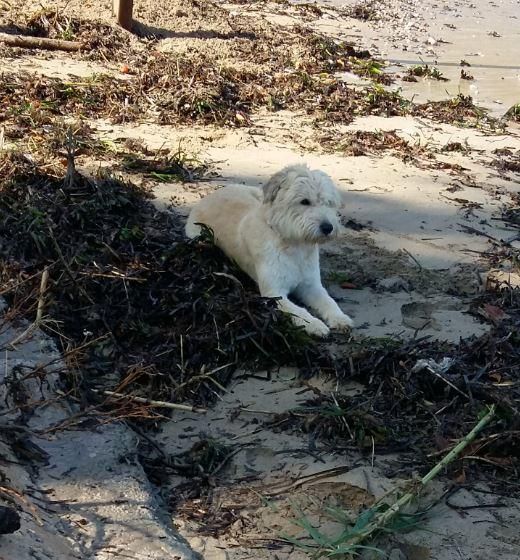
(326, 228)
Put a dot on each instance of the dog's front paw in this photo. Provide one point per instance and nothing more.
(341, 322)
(317, 328)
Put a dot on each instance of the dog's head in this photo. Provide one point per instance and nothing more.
(302, 205)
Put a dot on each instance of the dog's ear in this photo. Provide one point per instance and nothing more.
(273, 186)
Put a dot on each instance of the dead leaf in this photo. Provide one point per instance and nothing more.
(492, 313)
(441, 443)
(461, 477)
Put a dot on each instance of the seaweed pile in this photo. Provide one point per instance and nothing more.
(161, 316)
(259, 65)
(363, 142)
(165, 318)
(460, 111)
(173, 90)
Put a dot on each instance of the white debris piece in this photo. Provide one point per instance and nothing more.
(435, 367)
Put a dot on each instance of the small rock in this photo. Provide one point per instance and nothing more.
(466, 279)
(418, 315)
(393, 284)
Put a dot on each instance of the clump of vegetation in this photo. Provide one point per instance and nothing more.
(172, 90)
(174, 167)
(200, 462)
(402, 390)
(333, 419)
(455, 147)
(459, 110)
(509, 160)
(386, 515)
(426, 71)
(99, 40)
(363, 142)
(513, 113)
(364, 11)
(269, 69)
(373, 69)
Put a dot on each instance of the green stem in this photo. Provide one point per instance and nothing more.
(460, 446)
(387, 515)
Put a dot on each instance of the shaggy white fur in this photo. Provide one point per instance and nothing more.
(275, 235)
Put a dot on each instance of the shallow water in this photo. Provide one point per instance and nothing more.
(485, 33)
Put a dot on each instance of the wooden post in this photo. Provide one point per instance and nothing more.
(123, 11)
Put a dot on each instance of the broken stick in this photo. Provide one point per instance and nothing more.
(28, 42)
(39, 312)
(158, 404)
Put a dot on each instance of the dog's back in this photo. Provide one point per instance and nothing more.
(223, 211)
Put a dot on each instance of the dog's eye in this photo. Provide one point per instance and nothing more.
(306, 202)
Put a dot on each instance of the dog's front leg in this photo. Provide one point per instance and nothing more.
(300, 316)
(316, 297)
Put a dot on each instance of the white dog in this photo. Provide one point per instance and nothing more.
(274, 237)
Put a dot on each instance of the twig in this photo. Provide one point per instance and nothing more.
(39, 312)
(413, 258)
(257, 411)
(342, 417)
(39, 43)
(206, 376)
(160, 404)
(285, 487)
(448, 382)
(453, 491)
(41, 299)
(476, 231)
(229, 456)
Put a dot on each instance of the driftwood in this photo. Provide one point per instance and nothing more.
(28, 42)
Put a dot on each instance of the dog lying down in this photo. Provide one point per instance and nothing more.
(274, 234)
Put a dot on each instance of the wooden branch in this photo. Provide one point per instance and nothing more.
(28, 42)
